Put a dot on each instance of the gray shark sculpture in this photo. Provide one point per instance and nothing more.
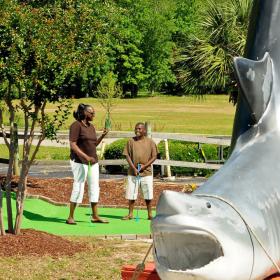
(229, 228)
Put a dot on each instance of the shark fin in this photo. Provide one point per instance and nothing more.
(255, 79)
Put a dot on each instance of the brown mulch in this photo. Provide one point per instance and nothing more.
(32, 242)
(112, 192)
(37, 243)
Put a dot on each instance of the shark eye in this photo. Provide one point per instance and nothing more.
(208, 204)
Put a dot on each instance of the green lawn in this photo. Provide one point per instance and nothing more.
(44, 153)
(209, 115)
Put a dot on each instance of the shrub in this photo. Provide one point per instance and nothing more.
(178, 150)
(184, 151)
(115, 151)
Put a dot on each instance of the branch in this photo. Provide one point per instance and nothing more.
(42, 136)
(3, 129)
(25, 132)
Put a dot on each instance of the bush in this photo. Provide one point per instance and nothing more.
(184, 151)
(178, 150)
(115, 151)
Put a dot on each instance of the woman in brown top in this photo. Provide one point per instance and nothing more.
(84, 161)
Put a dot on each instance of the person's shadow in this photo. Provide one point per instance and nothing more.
(37, 217)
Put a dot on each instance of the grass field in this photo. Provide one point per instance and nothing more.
(209, 115)
(44, 153)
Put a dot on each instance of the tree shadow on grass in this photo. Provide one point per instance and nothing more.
(37, 217)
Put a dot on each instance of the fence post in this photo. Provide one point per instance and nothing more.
(102, 149)
(221, 153)
(16, 150)
(148, 129)
(168, 169)
(149, 132)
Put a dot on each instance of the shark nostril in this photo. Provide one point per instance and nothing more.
(208, 204)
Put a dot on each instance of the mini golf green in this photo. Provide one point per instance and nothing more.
(41, 215)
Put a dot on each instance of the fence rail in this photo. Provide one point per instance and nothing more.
(220, 141)
(164, 162)
(203, 139)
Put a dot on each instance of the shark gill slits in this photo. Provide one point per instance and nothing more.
(208, 204)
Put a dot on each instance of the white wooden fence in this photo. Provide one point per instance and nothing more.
(220, 141)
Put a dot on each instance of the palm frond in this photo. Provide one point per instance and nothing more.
(207, 61)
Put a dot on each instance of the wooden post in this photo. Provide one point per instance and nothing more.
(16, 150)
(148, 129)
(102, 149)
(168, 169)
(149, 132)
(221, 153)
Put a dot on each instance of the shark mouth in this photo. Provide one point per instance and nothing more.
(184, 251)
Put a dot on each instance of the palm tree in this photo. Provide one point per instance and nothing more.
(205, 64)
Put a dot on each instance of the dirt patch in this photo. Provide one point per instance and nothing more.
(38, 243)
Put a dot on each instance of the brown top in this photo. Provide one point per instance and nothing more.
(85, 137)
(140, 151)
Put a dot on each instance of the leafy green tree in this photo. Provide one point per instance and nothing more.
(157, 25)
(185, 21)
(205, 64)
(41, 49)
(124, 53)
(154, 21)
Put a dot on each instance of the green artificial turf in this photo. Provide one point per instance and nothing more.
(41, 215)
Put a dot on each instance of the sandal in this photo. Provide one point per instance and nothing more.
(70, 222)
(125, 218)
(101, 221)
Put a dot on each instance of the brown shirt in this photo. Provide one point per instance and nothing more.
(86, 140)
(140, 151)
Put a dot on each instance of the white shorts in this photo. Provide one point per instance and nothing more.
(81, 174)
(145, 183)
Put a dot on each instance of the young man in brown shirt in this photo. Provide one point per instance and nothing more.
(140, 153)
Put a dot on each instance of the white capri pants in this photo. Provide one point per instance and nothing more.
(133, 184)
(81, 174)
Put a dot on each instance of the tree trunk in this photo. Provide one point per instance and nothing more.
(9, 206)
(16, 169)
(20, 204)
(2, 229)
(8, 182)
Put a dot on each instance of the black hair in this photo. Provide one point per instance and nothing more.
(79, 114)
(140, 123)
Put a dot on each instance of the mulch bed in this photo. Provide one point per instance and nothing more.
(37, 243)
(112, 192)
(32, 242)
